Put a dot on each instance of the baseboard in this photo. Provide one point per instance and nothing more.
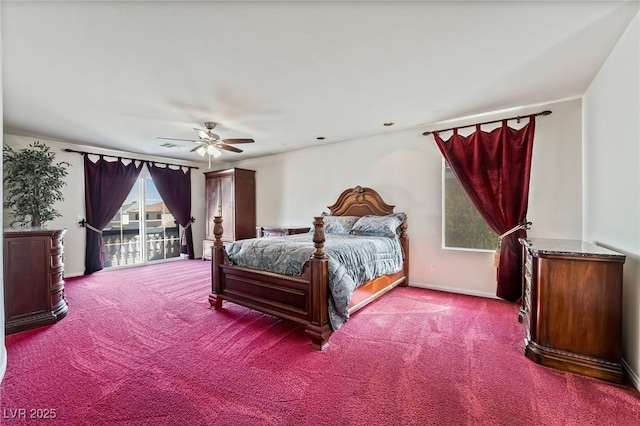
(457, 290)
(631, 375)
(68, 274)
(3, 363)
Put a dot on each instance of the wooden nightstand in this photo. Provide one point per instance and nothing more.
(275, 231)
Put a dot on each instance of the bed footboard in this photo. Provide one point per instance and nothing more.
(301, 299)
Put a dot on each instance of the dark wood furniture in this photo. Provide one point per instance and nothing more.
(304, 298)
(277, 231)
(33, 278)
(572, 307)
(230, 193)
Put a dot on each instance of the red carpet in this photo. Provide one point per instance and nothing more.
(140, 347)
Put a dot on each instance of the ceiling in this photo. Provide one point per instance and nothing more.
(120, 74)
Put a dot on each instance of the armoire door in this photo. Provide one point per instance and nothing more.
(213, 204)
(227, 208)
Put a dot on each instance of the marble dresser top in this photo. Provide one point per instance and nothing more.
(550, 246)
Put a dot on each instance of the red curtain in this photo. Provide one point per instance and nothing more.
(494, 169)
(106, 186)
(174, 186)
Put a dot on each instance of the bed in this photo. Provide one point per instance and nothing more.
(305, 294)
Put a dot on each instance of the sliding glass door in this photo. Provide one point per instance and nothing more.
(143, 230)
(162, 234)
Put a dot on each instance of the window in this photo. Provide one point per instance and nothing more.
(463, 227)
(129, 241)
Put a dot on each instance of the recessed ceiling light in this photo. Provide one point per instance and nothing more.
(388, 123)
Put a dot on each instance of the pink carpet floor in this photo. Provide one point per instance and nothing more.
(140, 347)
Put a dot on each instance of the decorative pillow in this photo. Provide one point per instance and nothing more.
(339, 224)
(383, 226)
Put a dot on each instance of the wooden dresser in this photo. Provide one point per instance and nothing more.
(276, 231)
(230, 193)
(33, 278)
(572, 307)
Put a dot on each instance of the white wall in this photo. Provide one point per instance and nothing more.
(405, 167)
(3, 350)
(72, 209)
(612, 175)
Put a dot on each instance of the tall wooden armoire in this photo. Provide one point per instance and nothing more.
(230, 193)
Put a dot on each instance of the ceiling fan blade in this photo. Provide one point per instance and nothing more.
(174, 139)
(202, 145)
(238, 141)
(202, 134)
(228, 147)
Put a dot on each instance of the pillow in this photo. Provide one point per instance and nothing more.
(339, 224)
(383, 226)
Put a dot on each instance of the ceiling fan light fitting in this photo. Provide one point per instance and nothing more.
(213, 151)
(210, 143)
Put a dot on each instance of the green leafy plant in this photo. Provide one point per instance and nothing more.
(32, 184)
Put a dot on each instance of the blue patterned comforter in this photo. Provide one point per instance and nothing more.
(353, 260)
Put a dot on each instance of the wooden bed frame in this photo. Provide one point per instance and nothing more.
(304, 298)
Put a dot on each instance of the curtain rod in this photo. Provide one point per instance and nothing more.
(519, 117)
(128, 158)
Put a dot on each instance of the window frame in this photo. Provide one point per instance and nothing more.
(443, 241)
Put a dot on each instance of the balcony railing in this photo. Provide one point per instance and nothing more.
(122, 247)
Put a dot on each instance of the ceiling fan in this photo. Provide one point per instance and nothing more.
(210, 143)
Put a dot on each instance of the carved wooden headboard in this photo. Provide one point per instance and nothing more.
(360, 201)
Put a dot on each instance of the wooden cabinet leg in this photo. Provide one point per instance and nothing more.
(215, 301)
(319, 336)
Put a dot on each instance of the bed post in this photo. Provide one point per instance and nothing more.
(216, 260)
(319, 328)
(404, 242)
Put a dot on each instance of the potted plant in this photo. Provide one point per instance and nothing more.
(33, 255)
(32, 184)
